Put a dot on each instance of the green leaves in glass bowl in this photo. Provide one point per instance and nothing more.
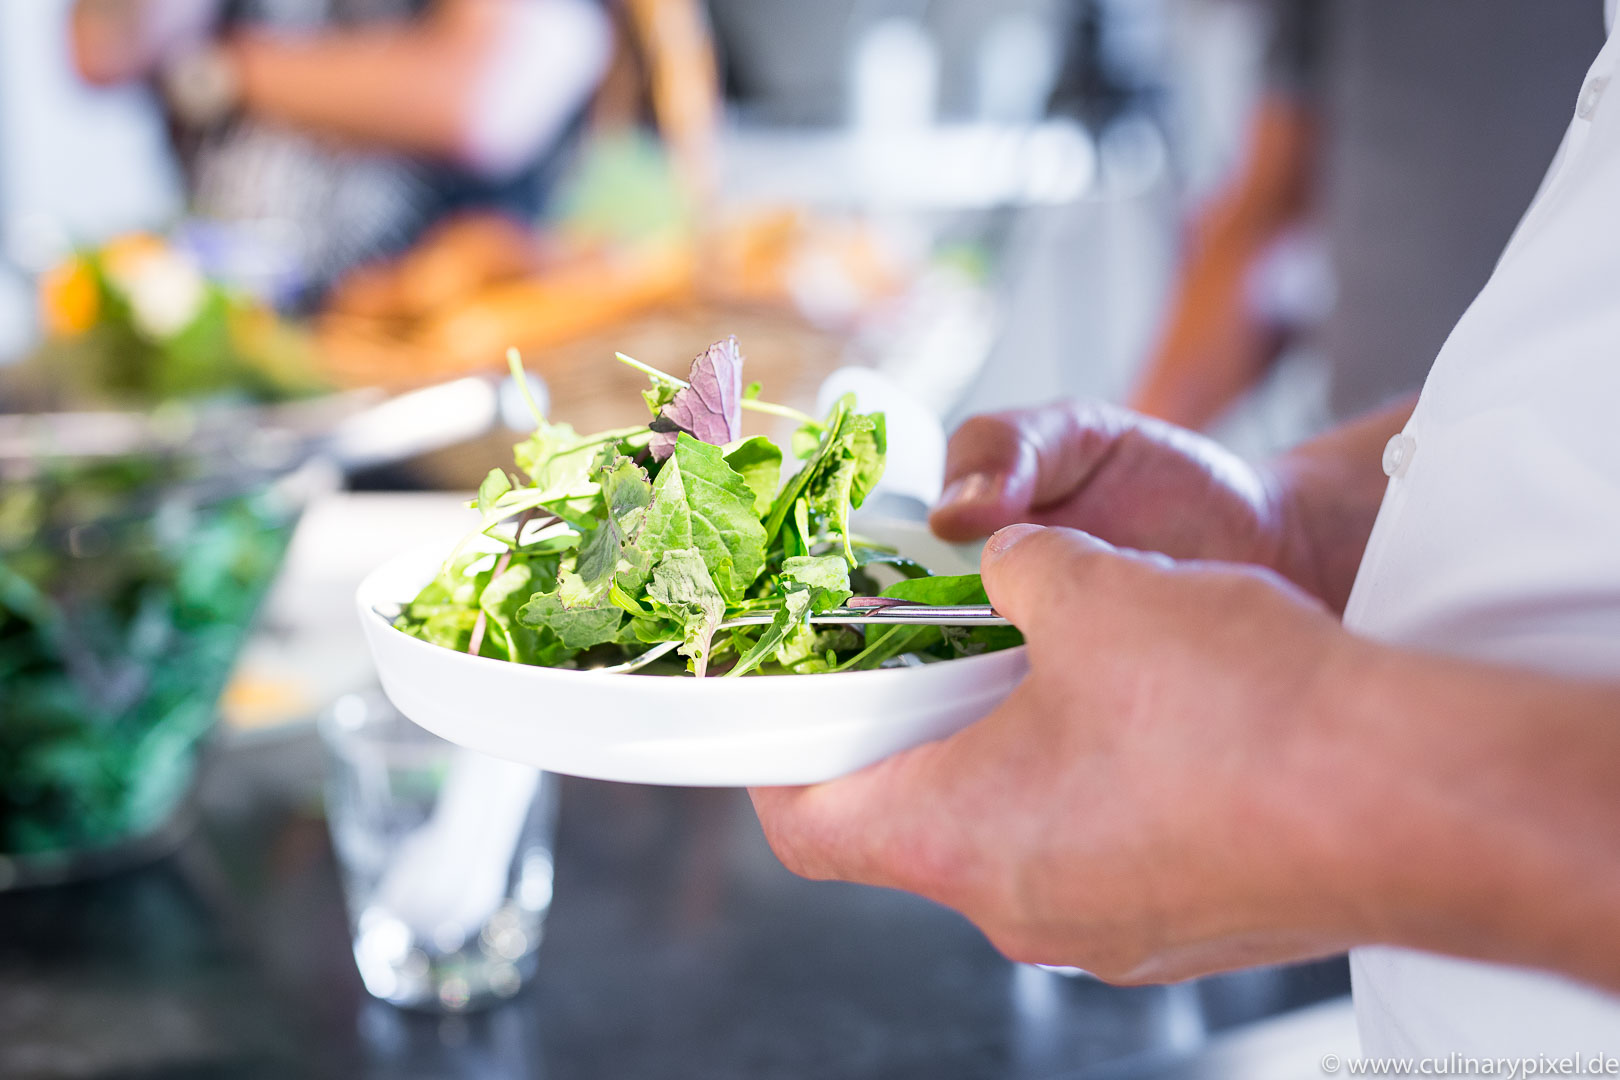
(612, 543)
(127, 587)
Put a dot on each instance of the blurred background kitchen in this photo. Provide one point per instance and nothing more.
(260, 263)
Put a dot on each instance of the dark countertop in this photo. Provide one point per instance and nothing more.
(676, 947)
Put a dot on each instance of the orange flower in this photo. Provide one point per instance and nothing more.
(69, 298)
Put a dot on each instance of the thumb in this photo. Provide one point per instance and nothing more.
(1040, 578)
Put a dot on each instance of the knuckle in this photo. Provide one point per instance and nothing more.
(1241, 591)
(993, 437)
(1088, 427)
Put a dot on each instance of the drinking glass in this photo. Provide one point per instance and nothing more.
(445, 855)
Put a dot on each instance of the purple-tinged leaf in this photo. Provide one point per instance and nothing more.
(879, 602)
(709, 408)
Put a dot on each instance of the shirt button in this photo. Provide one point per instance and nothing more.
(1398, 455)
(1591, 94)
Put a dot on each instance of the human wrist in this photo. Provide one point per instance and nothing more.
(1457, 793)
(1356, 835)
(1326, 494)
(1300, 552)
(1327, 873)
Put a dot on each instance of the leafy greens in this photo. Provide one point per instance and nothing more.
(615, 542)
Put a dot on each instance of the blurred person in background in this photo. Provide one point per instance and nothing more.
(1408, 138)
(335, 133)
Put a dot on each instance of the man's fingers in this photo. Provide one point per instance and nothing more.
(1045, 580)
(826, 831)
(989, 472)
(855, 828)
(1001, 468)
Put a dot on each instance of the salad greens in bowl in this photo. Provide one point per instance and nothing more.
(614, 542)
(601, 548)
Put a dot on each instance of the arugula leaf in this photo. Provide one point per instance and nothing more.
(943, 589)
(835, 500)
(801, 649)
(681, 583)
(806, 440)
(869, 445)
(448, 627)
(826, 577)
(455, 587)
(626, 492)
(502, 602)
(496, 484)
(759, 462)
(552, 459)
(559, 465)
(445, 611)
(701, 503)
(795, 488)
(795, 609)
(577, 628)
(853, 466)
(709, 407)
(846, 465)
(809, 584)
(801, 528)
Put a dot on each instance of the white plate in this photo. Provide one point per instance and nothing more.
(649, 729)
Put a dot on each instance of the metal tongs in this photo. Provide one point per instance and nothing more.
(859, 611)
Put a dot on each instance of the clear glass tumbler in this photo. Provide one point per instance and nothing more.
(445, 855)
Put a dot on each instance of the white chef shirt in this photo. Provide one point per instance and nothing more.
(1499, 539)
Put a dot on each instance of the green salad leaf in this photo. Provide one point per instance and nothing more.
(575, 628)
(682, 585)
(608, 544)
(699, 502)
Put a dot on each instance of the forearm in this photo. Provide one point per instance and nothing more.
(1215, 344)
(403, 88)
(1213, 348)
(485, 83)
(1328, 492)
(1475, 811)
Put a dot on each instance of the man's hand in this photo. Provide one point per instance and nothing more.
(1130, 479)
(1145, 484)
(1204, 771)
(1148, 804)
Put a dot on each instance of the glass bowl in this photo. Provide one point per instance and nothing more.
(128, 584)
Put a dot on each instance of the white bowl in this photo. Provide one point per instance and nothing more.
(650, 729)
